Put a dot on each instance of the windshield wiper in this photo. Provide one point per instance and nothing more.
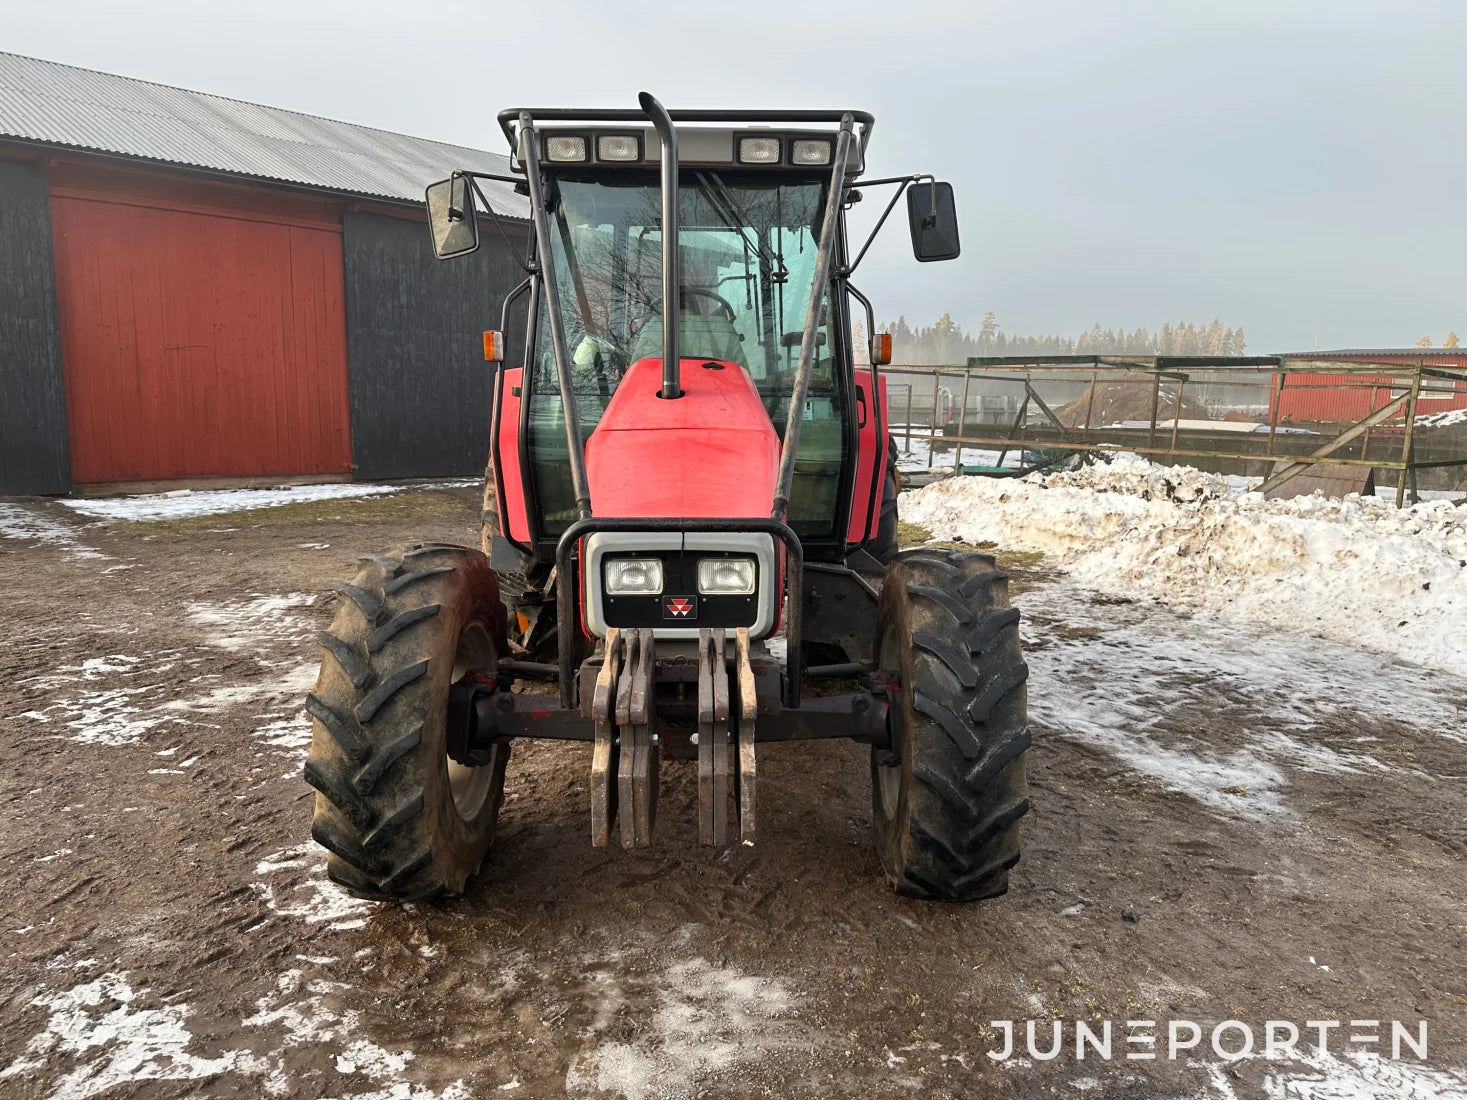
(738, 220)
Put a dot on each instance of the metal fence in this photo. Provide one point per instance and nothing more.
(1267, 416)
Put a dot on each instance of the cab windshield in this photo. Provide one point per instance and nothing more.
(747, 253)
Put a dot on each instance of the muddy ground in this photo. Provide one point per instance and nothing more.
(1226, 825)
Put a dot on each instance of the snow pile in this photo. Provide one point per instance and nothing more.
(1356, 570)
(182, 503)
(1132, 474)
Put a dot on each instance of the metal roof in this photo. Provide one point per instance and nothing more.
(61, 105)
(1431, 355)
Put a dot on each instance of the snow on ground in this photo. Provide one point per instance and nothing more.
(24, 525)
(913, 454)
(1356, 570)
(1442, 419)
(182, 503)
(707, 1022)
(1357, 1075)
(1138, 682)
(117, 1043)
(124, 698)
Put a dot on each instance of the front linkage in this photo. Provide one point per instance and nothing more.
(714, 698)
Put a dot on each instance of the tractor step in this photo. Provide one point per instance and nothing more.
(625, 759)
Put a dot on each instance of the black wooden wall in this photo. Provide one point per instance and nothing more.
(420, 390)
(34, 454)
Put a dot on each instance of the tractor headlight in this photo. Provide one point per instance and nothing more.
(562, 147)
(726, 576)
(810, 151)
(615, 147)
(633, 577)
(758, 150)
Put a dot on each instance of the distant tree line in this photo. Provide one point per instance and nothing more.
(1449, 342)
(945, 342)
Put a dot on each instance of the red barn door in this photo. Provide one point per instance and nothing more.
(199, 340)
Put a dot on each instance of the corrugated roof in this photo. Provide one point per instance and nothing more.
(54, 104)
(1429, 354)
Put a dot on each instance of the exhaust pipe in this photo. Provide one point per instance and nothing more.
(671, 275)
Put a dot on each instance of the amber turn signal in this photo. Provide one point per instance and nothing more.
(881, 349)
(493, 347)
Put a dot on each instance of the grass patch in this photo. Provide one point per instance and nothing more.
(1024, 567)
(406, 505)
(912, 534)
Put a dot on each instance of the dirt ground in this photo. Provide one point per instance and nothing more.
(1226, 826)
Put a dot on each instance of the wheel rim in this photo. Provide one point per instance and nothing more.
(471, 786)
(889, 778)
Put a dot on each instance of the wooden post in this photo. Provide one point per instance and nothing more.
(1155, 405)
(1177, 413)
(963, 418)
(1090, 401)
(1276, 412)
(1406, 447)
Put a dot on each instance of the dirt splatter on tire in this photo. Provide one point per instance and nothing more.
(399, 819)
(946, 812)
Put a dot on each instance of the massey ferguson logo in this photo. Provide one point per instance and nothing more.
(680, 607)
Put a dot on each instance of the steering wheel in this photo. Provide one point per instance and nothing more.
(712, 295)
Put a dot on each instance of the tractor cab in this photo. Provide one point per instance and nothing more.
(747, 243)
(690, 512)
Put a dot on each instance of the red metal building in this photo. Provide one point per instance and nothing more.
(1347, 398)
(201, 288)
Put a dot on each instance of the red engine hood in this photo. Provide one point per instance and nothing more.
(711, 452)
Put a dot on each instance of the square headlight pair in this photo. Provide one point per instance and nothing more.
(766, 150)
(613, 148)
(716, 577)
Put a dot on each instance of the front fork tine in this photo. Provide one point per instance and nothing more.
(637, 770)
(748, 712)
(604, 753)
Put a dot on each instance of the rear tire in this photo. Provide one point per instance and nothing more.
(399, 819)
(946, 813)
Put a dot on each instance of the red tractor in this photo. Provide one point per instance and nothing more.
(692, 517)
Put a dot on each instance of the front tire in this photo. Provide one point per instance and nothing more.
(399, 818)
(946, 810)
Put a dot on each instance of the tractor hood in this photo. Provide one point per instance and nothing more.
(712, 452)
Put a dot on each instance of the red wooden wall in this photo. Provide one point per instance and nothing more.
(203, 330)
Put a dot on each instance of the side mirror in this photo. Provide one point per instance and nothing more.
(934, 221)
(451, 217)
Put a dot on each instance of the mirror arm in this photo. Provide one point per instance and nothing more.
(879, 470)
(473, 178)
(870, 319)
(905, 181)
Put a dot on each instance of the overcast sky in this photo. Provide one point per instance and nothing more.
(1291, 167)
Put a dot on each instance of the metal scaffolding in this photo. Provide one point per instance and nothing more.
(1309, 410)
